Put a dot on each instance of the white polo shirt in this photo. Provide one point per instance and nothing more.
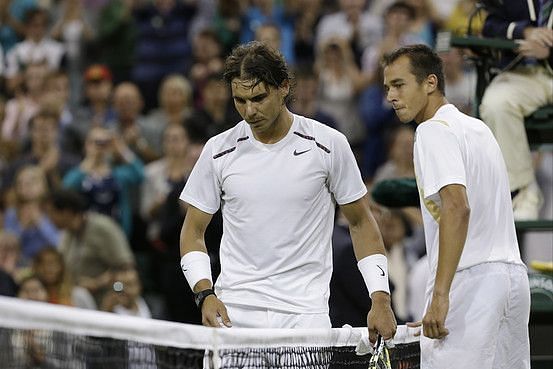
(278, 203)
(454, 148)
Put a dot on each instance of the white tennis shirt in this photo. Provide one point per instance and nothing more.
(454, 148)
(278, 203)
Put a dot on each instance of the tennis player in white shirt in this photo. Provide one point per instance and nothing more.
(277, 178)
(478, 297)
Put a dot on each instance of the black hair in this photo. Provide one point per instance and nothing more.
(402, 6)
(31, 13)
(67, 199)
(423, 60)
(257, 62)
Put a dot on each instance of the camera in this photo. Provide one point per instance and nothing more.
(118, 286)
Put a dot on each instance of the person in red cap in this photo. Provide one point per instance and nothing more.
(97, 110)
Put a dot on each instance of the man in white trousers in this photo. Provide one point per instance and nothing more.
(478, 297)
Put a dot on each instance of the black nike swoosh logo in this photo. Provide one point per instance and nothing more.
(382, 270)
(296, 152)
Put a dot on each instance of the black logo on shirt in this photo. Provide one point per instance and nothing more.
(296, 152)
(382, 270)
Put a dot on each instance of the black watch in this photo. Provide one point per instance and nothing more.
(200, 296)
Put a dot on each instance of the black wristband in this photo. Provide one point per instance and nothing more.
(200, 296)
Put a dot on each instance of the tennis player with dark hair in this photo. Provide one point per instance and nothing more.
(478, 297)
(277, 177)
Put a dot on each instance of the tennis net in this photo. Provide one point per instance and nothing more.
(38, 335)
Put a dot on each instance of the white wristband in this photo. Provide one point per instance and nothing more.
(374, 269)
(196, 266)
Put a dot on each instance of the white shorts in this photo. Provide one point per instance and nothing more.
(243, 316)
(489, 309)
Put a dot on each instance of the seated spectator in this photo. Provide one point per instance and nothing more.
(217, 113)
(269, 34)
(31, 346)
(268, 11)
(48, 265)
(340, 82)
(130, 123)
(102, 181)
(506, 100)
(164, 215)
(304, 101)
(92, 244)
(73, 29)
(21, 108)
(227, 23)
(57, 92)
(379, 119)
(353, 23)
(26, 217)
(44, 151)
(162, 44)
(11, 26)
(117, 38)
(308, 14)
(426, 21)
(125, 298)
(97, 110)
(400, 155)
(175, 97)
(460, 80)
(162, 177)
(207, 60)
(398, 20)
(37, 47)
(31, 288)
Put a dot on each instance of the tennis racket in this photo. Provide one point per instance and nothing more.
(381, 357)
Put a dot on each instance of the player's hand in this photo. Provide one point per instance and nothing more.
(381, 319)
(214, 313)
(433, 323)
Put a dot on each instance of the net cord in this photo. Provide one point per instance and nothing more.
(23, 314)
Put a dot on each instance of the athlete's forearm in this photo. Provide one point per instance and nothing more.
(191, 240)
(364, 232)
(454, 222)
(366, 238)
(193, 231)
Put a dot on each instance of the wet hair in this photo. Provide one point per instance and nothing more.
(257, 62)
(423, 60)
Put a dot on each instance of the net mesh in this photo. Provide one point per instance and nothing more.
(36, 335)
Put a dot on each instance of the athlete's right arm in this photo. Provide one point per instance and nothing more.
(192, 240)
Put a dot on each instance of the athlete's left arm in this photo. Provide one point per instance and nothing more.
(367, 241)
(454, 221)
(363, 229)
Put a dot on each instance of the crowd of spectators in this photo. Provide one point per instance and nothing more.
(105, 106)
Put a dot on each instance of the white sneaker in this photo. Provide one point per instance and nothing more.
(527, 203)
